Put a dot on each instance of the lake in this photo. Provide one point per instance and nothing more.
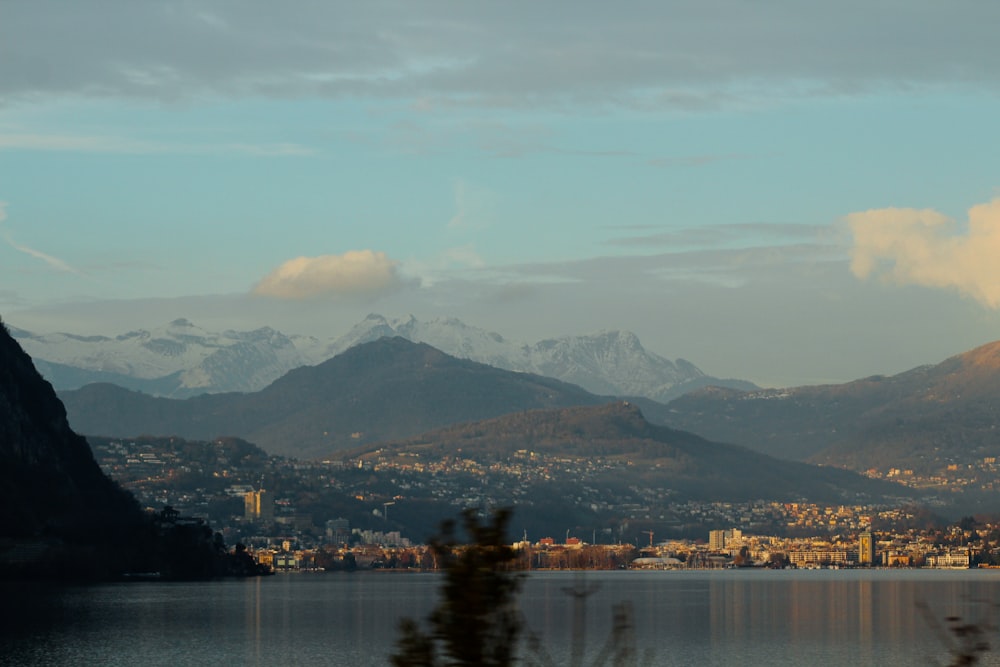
(748, 617)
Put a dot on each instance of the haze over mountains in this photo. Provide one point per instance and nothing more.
(181, 359)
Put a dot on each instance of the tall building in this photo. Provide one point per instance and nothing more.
(866, 548)
(719, 540)
(716, 540)
(258, 506)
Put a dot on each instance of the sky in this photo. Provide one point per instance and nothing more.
(779, 191)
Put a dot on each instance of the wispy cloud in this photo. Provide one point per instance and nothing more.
(681, 268)
(473, 207)
(52, 262)
(923, 247)
(696, 160)
(124, 145)
(751, 234)
(494, 139)
(451, 262)
(357, 273)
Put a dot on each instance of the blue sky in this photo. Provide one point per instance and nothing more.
(777, 191)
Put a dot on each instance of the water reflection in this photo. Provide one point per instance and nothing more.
(705, 618)
(828, 617)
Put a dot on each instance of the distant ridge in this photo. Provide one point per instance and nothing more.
(922, 419)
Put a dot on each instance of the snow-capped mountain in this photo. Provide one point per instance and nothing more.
(181, 359)
(610, 363)
(449, 335)
(613, 362)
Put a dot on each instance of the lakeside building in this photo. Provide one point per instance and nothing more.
(960, 559)
(819, 557)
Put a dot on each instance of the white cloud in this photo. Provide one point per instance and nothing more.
(924, 247)
(357, 273)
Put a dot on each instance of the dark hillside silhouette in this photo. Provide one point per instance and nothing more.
(62, 517)
(48, 477)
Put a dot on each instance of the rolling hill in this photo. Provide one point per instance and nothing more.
(617, 448)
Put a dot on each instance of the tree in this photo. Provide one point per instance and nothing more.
(476, 621)
(778, 560)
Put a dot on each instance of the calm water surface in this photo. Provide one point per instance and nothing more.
(829, 617)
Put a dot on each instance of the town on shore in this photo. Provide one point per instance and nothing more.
(351, 525)
(953, 548)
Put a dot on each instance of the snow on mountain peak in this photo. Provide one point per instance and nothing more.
(181, 359)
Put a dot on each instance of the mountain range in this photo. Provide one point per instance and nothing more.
(386, 389)
(924, 419)
(392, 397)
(180, 359)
